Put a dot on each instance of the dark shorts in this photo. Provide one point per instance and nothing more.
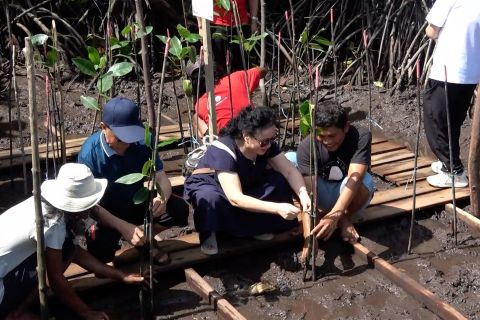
(107, 241)
(18, 283)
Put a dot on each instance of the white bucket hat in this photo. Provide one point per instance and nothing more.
(75, 188)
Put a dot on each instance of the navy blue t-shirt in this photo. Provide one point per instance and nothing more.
(104, 162)
(249, 172)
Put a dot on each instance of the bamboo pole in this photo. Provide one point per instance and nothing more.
(474, 158)
(36, 179)
(145, 65)
(209, 82)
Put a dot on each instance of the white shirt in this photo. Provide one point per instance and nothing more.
(18, 236)
(458, 44)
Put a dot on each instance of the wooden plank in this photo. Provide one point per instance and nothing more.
(398, 193)
(406, 176)
(378, 139)
(177, 181)
(400, 166)
(378, 159)
(469, 219)
(386, 146)
(203, 289)
(398, 207)
(411, 286)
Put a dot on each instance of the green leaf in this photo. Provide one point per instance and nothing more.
(93, 55)
(126, 31)
(175, 47)
(225, 4)
(218, 35)
(120, 69)
(140, 196)
(147, 166)
(162, 38)
(39, 39)
(85, 66)
(130, 178)
(139, 33)
(105, 83)
(317, 47)
(148, 136)
(89, 103)
(304, 108)
(322, 41)
(51, 57)
(103, 62)
(185, 52)
(193, 38)
(187, 87)
(182, 31)
(378, 84)
(167, 142)
(304, 36)
(192, 54)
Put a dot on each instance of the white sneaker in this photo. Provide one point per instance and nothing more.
(209, 246)
(436, 166)
(444, 180)
(264, 237)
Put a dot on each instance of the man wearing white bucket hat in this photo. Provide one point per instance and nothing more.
(114, 151)
(66, 203)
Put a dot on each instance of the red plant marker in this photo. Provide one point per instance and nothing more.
(365, 38)
(418, 69)
(317, 78)
(286, 16)
(168, 33)
(331, 15)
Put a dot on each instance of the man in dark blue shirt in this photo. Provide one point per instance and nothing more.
(116, 150)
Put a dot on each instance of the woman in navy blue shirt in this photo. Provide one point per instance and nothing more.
(244, 185)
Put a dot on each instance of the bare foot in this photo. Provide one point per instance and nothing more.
(349, 233)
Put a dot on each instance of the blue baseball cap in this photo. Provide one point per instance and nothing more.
(122, 116)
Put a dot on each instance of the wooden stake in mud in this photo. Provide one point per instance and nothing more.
(415, 161)
(201, 287)
(474, 158)
(145, 65)
(209, 81)
(452, 174)
(32, 107)
(332, 30)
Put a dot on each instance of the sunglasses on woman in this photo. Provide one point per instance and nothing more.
(266, 142)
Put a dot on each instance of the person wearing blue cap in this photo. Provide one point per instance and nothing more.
(116, 150)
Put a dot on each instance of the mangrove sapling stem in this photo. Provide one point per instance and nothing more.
(145, 65)
(179, 115)
(32, 106)
(279, 39)
(332, 28)
(415, 161)
(452, 174)
(10, 71)
(19, 122)
(295, 69)
(292, 106)
(367, 58)
(227, 60)
(272, 76)
(262, 51)
(58, 86)
(236, 16)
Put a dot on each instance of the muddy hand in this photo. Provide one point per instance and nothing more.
(159, 206)
(327, 225)
(287, 211)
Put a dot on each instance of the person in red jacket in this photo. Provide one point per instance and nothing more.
(231, 97)
(224, 23)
